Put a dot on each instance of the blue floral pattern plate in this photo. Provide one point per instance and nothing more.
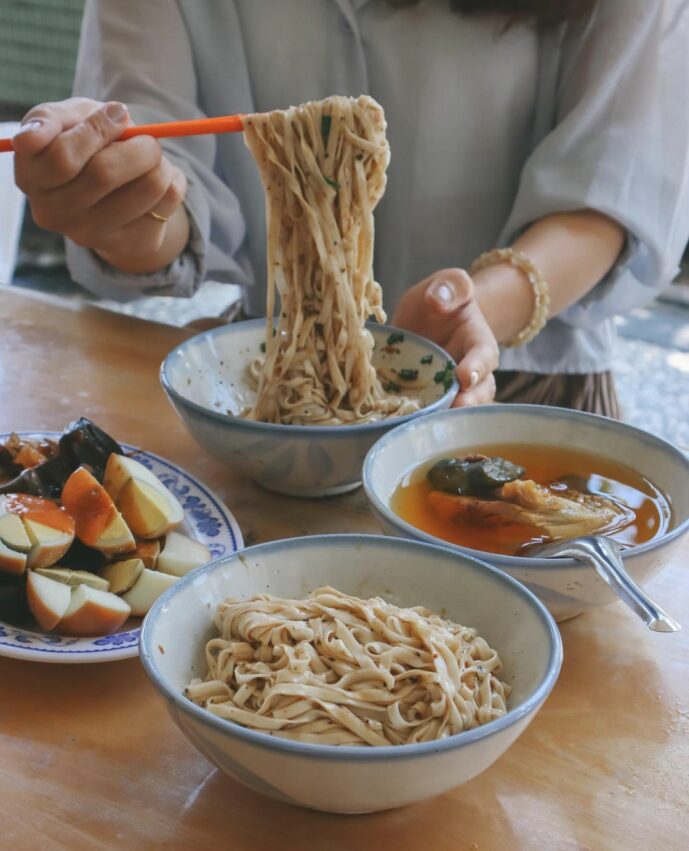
(206, 519)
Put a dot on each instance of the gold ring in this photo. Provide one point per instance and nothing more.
(156, 216)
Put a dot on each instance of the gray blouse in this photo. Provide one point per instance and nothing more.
(489, 131)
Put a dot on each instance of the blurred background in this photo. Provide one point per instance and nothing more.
(38, 44)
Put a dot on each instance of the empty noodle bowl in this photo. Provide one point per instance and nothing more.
(334, 669)
(323, 169)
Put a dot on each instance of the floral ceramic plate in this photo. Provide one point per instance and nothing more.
(206, 519)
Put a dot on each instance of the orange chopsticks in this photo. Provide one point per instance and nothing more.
(195, 127)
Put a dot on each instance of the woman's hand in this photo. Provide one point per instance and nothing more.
(443, 308)
(82, 183)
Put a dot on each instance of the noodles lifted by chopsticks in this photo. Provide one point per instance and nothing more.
(337, 670)
(323, 169)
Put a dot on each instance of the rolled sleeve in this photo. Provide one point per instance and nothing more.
(181, 278)
(140, 54)
(619, 145)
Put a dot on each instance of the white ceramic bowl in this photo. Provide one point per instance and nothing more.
(566, 587)
(205, 380)
(353, 779)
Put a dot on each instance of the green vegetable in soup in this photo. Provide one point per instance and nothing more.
(472, 476)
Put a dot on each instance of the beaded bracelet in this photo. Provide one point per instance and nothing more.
(539, 317)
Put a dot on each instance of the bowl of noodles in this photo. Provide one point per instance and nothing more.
(295, 402)
(212, 381)
(560, 475)
(351, 673)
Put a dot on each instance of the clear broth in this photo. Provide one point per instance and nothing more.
(546, 465)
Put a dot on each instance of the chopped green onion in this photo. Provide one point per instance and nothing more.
(263, 347)
(408, 374)
(331, 182)
(395, 337)
(326, 121)
(391, 387)
(444, 376)
(427, 359)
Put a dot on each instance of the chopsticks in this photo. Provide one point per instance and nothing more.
(168, 129)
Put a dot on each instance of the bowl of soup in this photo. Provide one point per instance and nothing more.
(498, 480)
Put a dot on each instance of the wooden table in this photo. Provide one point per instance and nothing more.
(89, 758)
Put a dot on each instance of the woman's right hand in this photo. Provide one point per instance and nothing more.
(97, 191)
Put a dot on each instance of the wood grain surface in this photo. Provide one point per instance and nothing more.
(89, 758)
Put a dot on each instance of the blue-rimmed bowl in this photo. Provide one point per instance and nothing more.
(206, 381)
(353, 779)
(566, 587)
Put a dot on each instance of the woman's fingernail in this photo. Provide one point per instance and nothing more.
(474, 376)
(29, 127)
(441, 292)
(116, 112)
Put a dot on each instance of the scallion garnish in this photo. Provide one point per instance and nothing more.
(326, 121)
(444, 376)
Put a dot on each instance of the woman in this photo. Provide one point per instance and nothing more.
(553, 128)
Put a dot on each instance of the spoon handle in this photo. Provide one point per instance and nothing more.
(605, 559)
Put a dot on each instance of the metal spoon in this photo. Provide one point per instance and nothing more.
(604, 557)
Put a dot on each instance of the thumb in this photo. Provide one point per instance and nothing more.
(449, 290)
(98, 129)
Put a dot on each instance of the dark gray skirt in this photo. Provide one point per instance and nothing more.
(594, 392)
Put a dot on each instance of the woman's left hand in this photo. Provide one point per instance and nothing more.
(443, 308)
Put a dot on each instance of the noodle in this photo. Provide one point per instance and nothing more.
(323, 169)
(338, 670)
